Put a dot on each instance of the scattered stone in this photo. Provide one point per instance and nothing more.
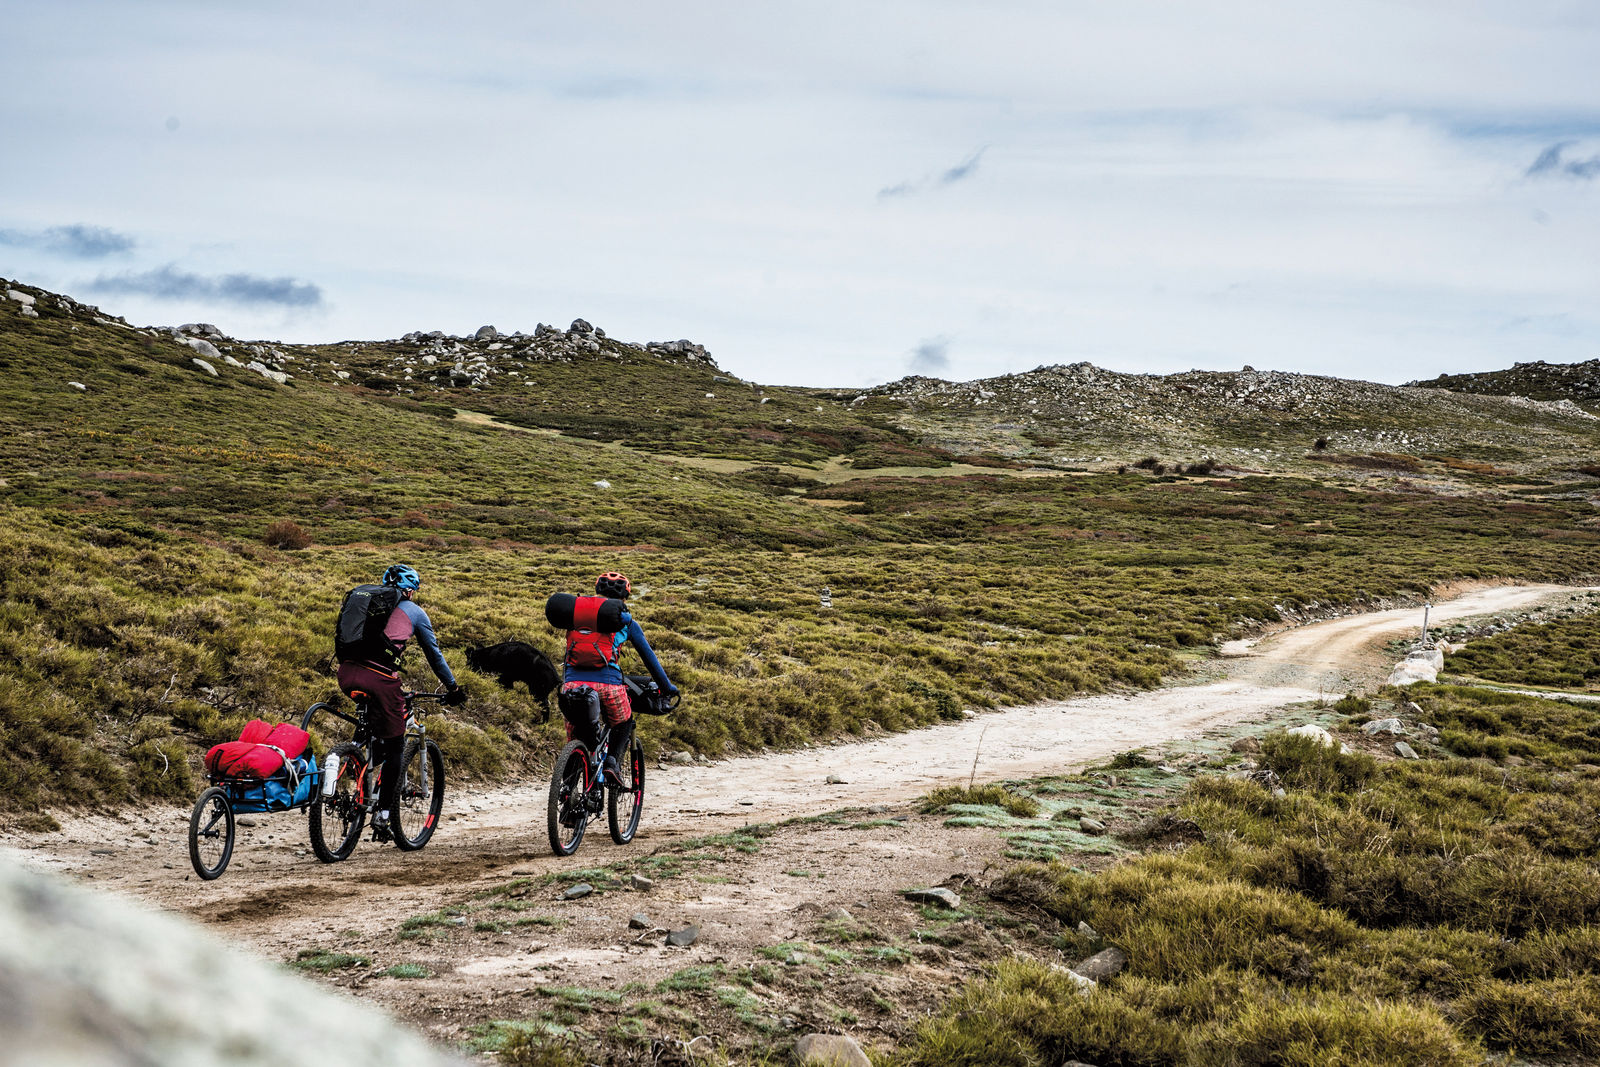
(944, 898)
(1085, 985)
(1085, 930)
(486, 333)
(1413, 708)
(79, 386)
(639, 921)
(838, 915)
(681, 758)
(641, 883)
(582, 889)
(1383, 726)
(1103, 965)
(684, 938)
(25, 299)
(1091, 826)
(601, 484)
(1405, 751)
(27, 312)
(834, 779)
(829, 1050)
(1315, 732)
(203, 365)
(747, 802)
(877, 809)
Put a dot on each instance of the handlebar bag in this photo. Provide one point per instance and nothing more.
(644, 697)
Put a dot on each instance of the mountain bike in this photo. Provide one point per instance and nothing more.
(579, 788)
(343, 804)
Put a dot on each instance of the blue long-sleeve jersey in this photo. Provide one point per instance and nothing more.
(409, 620)
(630, 633)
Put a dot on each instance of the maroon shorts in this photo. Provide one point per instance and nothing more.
(615, 706)
(386, 691)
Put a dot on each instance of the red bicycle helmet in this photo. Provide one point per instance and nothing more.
(613, 584)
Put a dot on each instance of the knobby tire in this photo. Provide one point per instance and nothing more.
(419, 802)
(342, 815)
(211, 845)
(568, 814)
(624, 805)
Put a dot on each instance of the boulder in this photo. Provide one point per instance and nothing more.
(580, 326)
(685, 937)
(830, 1050)
(641, 883)
(639, 921)
(203, 365)
(25, 299)
(486, 333)
(1420, 665)
(1383, 726)
(27, 312)
(267, 372)
(205, 348)
(1405, 751)
(1093, 827)
(577, 892)
(87, 977)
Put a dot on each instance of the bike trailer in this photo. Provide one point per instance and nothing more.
(270, 767)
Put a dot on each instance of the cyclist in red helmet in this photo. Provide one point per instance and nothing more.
(607, 681)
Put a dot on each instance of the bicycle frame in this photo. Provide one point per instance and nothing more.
(365, 782)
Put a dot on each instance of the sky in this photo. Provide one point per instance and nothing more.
(831, 194)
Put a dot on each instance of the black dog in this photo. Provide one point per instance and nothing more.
(518, 661)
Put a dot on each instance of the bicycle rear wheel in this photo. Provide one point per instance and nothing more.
(336, 820)
(211, 833)
(625, 803)
(569, 786)
(420, 797)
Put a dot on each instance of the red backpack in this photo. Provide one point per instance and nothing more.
(587, 648)
(590, 622)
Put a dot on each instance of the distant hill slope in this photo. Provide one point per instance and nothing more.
(1081, 414)
(1577, 382)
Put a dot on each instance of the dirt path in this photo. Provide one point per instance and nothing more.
(276, 898)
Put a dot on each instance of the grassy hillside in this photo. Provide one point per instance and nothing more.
(174, 544)
(1381, 911)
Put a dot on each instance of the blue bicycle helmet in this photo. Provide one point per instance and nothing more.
(402, 577)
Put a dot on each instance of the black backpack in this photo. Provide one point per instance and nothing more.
(362, 618)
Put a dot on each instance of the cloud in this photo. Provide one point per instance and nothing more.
(931, 357)
(77, 241)
(1552, 162)
(949, 176)
(963, 170)
(169, 283)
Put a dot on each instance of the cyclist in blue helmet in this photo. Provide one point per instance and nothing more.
(379, 677)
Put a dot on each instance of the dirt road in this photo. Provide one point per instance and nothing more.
(276, 898)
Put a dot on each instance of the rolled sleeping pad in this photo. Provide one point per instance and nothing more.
(567, 612)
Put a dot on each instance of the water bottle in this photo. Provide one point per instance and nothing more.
(330, 773)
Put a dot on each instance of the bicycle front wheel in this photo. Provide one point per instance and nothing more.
(336, 820)
(421, 795)
(626, 801)
(211, 833)
(569, 786)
